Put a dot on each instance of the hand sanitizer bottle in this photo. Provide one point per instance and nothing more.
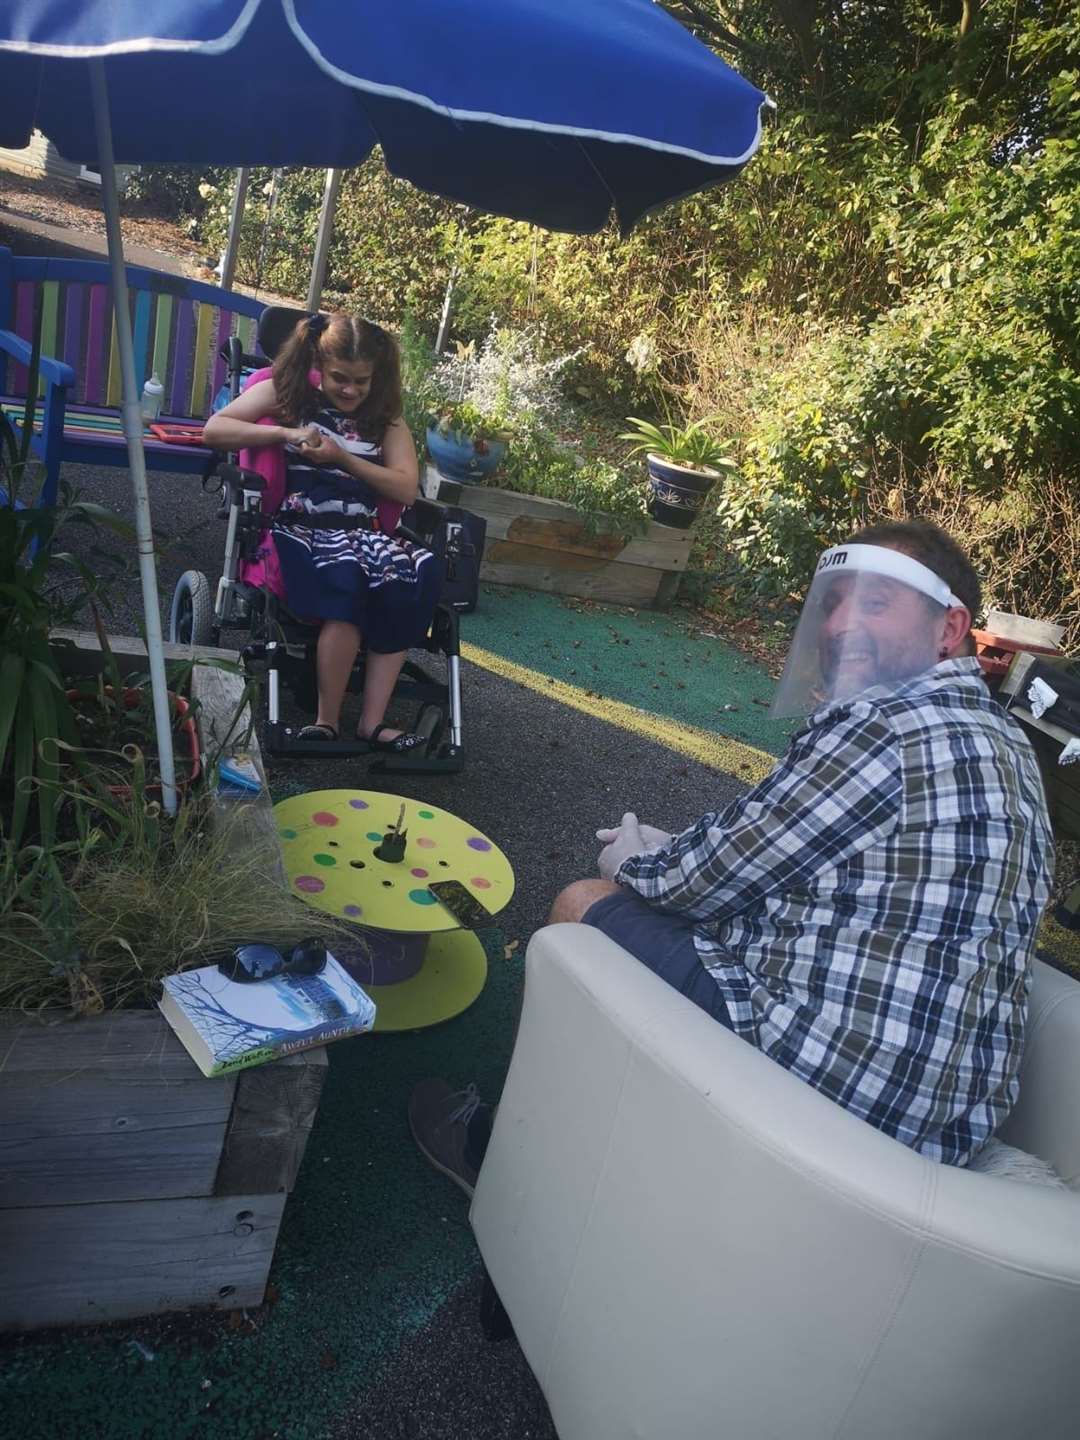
(152, 394)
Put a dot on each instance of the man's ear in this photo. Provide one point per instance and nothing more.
(955, 633)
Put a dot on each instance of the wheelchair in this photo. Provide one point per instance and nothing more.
(280, 647)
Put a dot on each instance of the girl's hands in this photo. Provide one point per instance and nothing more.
(322, 449)
(298, 436)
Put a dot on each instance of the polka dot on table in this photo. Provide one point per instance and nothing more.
(358, 804)
(421, 897)
(288, 834)
(426, 814)
(477, 880)
(352, 910)
(324, 860)
(323, 817)
(477, 842)
(420, 874)
(374, 835)
(309, 884)
(426, 843)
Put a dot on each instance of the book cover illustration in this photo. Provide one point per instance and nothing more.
(226, 1024)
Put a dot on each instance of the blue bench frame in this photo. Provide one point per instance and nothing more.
(59, 379)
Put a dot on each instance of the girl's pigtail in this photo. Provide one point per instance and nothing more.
(296, 359)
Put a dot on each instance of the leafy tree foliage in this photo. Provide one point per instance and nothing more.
(881, 310)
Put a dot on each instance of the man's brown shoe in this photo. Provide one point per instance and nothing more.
(439, 1119)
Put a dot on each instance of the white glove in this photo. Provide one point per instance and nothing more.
(630, 838)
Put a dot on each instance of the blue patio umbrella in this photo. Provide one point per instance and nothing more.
(557, 112)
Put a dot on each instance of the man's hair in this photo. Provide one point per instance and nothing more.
(932, 547)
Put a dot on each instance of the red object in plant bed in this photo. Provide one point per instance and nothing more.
(132, 698)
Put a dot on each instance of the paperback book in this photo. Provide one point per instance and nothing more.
(226, 1025)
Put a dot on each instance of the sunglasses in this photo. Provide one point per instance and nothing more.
(249, 963)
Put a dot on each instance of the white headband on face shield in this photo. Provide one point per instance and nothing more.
(845, 559)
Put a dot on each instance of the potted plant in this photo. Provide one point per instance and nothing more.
(465, 444)
(479, 399)
(176, 1198)
(684, 463)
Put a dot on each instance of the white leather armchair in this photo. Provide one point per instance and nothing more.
(692, 1243)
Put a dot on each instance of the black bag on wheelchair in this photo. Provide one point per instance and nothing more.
(459, 536)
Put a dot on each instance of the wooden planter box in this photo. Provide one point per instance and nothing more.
(129, 1183)
(544, 544)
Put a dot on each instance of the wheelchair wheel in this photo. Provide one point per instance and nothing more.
(191, 619)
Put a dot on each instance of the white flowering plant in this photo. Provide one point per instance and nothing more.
(498, 389)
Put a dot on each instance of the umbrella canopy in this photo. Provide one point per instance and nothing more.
(550, 111)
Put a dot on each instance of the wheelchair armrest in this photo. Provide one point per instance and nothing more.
(414, 538)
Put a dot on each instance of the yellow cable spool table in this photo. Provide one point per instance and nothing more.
(413, 957)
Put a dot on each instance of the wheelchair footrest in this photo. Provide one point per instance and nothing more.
(284, 740)
(444, 760)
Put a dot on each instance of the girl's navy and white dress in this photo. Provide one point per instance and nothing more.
(385, 586)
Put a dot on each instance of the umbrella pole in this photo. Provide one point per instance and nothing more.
(322, 244)
(133, 431)
(236, 218)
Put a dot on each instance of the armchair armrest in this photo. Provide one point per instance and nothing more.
(1044, 1120)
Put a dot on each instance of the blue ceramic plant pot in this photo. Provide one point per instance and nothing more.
(456, 457)
(677, 493)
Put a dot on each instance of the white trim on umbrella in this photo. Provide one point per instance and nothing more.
(139, 45)
(373, 87)
(508, 122)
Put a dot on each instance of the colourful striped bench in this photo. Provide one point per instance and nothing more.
(178, 326)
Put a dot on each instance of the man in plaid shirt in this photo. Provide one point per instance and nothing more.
(866, 915)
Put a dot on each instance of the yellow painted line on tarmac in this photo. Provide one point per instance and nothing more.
(720, 752)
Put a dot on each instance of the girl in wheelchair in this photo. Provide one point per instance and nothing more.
(334, 402)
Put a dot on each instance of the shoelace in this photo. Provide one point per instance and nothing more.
(470, 1103)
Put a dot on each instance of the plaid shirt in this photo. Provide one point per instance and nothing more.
(869, 910)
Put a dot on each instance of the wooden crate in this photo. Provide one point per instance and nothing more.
(542, 544)
(129, 1183)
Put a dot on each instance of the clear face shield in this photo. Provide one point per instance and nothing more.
(873, 617)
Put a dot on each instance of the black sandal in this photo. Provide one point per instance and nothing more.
(400, 745)
(318, 731)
